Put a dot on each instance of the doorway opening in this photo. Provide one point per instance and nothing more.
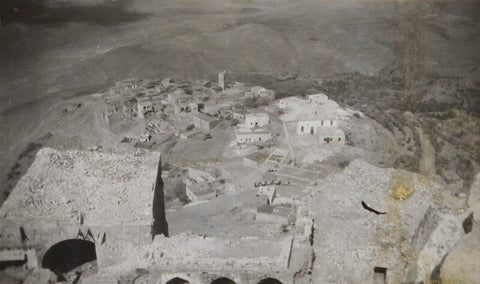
(379, 275)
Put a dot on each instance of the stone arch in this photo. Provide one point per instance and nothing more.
(223, 280)
(270, 281)
(177, 280)
(67, 255)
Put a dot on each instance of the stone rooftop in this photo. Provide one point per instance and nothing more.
(100, 186)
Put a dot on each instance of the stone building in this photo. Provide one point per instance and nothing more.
(239, 114)
(221, 79)
(185, 107)
(211, 107)
(203, 121)
(112, 106)
(311, 125)
(87, 203)
(130, 107)
(257, 136)
(317, 99)
(269, 191)
(178, 97)
(257, 119)
(335, 137)
(149, 104)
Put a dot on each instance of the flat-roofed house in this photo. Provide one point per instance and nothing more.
(203, 122)
(335, 137)
(257, 119)
(248, 135)
(310, 124)
(130, 107)
(275, 214)
(149, 104)
(185, 107)
(239, 114)
(269, 191)
(212, 107)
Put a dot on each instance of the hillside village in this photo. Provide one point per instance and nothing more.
(244, 185)
(232, 120)
(203, 106)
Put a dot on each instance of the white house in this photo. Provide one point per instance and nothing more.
(256, 119)
(310, 125)
(247, 136)
(335, 137)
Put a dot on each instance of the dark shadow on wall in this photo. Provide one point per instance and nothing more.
(223, 280)
(177, 280)
(160, 225)
(269, 281)
(67, 255)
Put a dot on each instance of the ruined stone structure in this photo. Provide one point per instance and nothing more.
(77, 207)
(72, 203)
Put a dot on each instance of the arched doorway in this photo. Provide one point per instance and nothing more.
(269, 281)
(223, 280)
(67, 255)
(177, 280)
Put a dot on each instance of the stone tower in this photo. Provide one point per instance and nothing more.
(221, 79)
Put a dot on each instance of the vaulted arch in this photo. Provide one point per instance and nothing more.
(177, 280)
(269, 281)
(68, 254)
(223, 280)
